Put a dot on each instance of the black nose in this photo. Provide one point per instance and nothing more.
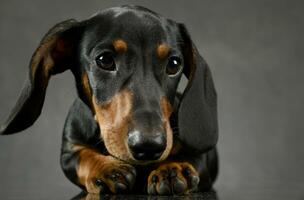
(146, 147)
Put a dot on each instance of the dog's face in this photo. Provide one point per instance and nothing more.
(127, 62)
(133, 64)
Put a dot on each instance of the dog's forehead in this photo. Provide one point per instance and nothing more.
(136, 25)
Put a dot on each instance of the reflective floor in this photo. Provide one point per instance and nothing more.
(203, 196)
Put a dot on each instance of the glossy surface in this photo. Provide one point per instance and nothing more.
(200, 196)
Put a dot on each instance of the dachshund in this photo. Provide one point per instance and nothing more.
(129, 130)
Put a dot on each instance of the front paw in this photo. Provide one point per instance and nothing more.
(112, 176)
(173, 178)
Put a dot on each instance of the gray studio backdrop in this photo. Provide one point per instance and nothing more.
(255, 50)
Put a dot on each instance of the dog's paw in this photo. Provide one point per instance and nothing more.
(173, 178)
(111, 177)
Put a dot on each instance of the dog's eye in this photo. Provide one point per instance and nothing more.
(174, 65)
(106, 61)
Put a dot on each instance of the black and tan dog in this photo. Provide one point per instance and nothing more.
(129, 131)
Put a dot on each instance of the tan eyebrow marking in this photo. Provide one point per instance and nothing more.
(162, 51)
(120, 46)
(87, 89)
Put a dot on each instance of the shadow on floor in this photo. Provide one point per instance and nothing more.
(201, 196)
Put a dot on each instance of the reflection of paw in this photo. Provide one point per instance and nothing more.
(114, 176)
(89, 196)
(173, 178)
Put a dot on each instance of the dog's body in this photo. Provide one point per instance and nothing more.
(129, 130)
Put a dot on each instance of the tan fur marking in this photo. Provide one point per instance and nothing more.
(87, 159)
(162, 51)
(42, 58)
(93, 165)
(167, 111)
(76, 147)
(166, 108)
(87, 89)
(120, 46)
(114, 119)
(45, 57)
(40, 53)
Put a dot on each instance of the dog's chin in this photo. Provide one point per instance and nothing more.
(142, 162)
(126, 156)
(130, 160)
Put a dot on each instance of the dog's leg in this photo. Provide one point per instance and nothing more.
(82, 158)
(102, 174)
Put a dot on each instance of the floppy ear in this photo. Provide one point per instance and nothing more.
(197, 114)
(54, 55)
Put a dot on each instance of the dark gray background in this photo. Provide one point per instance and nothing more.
(255, 50)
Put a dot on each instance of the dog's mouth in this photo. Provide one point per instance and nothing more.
(135, 150)
(131, 136)
(140, 156)
(136, 162)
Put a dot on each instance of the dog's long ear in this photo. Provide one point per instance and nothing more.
(54, 55)
(197, 114)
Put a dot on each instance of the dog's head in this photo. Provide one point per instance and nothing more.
(127, 62)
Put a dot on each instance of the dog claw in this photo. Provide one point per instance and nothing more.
(120, 187)
(164, 187)
(178, 186)
(113, 178)
(98, 183)
(154, 179)
(173, 178)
